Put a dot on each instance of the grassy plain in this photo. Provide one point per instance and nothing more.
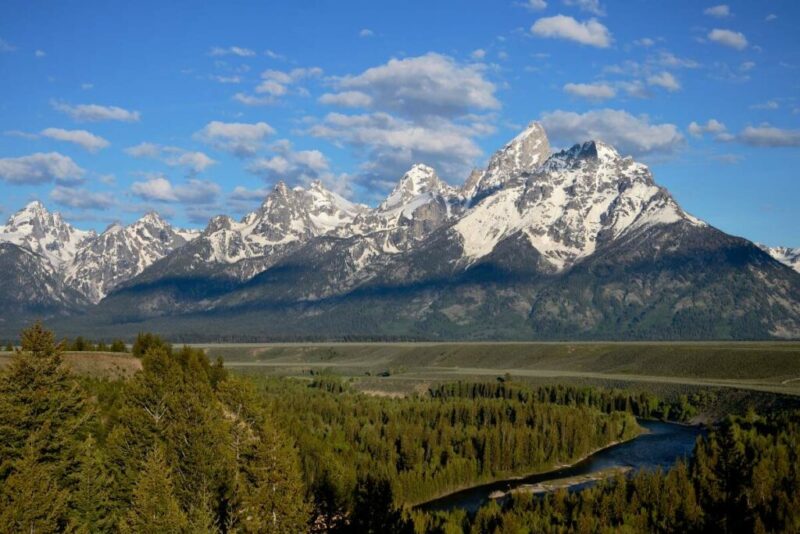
(95, 364)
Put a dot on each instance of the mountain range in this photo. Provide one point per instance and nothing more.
(576, 244)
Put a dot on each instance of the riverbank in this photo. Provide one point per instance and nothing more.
(516, 478)
(563, 483)
(657, 446)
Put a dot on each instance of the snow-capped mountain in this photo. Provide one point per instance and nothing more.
(786, 255)
(523, 154)
(574, 201)
(47, 234)
(122, 252)
(86, 263)
(582, 243)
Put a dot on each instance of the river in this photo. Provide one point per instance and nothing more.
(661, 446)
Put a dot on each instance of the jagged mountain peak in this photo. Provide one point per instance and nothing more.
(419, 180)
(39, 230)
(522, 155)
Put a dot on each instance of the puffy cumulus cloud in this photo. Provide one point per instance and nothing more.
(630, 134)
(80, 198)
(591, 91)
(96, 112)
(766, 135)
(231, 51)
(721, 11)
(432, 84)
(665, 80)
(243, 194)
(277, 83)
(301, 166)
(391, 144)
(366, 32)
(173, 156)
(82, 138)
(590, 6)
(729, 38)
(347, 99)
(535, 5)
(712, 126)
(40, 168)
(478, 54)
(590, 32)
(160, 189)
(646, 42)
(238, 138)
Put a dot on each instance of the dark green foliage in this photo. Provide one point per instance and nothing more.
(118, 346)
(426, 447)
(744, 477)
(166, 453)
(147, 341)
(374, 510)
(639, 404)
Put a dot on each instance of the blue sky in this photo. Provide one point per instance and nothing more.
(109, 109)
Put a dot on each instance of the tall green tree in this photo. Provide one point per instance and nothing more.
(155, 507)
(41, 404)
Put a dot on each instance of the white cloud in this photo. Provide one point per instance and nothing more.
(591, 91)
(712, 126)
(392, 144)
(158, 188)
(274, 55)
(769, 136)
(5, 46)
(292, 166)
(721, 11)
(276, 83)
(40, 53)
(729, 38)
(226, 79)
(348, 99)
(366, 32)
(39, 168)
(771, 17)
(628, 133)
(768, 105)
(664, 80)
(747, 66)
(645, 42)
(590, 6)
(244, 194)
(96, 112)
(479, 53)
(590, 33)
(250, 100)
(231, 51)
(173, 156)
(81, 198)
(238, 138)
(84, 139)
(536, 5)
(432, 84)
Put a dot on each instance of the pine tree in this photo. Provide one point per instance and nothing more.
(40, 403)
(154, 507)
(31, 499)
(91, 508)
(270, 492)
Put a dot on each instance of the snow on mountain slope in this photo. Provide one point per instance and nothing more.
(578, 199)
(45, 233)
(786, 255)
(419, 204)
(122, 252)
(523, 154)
